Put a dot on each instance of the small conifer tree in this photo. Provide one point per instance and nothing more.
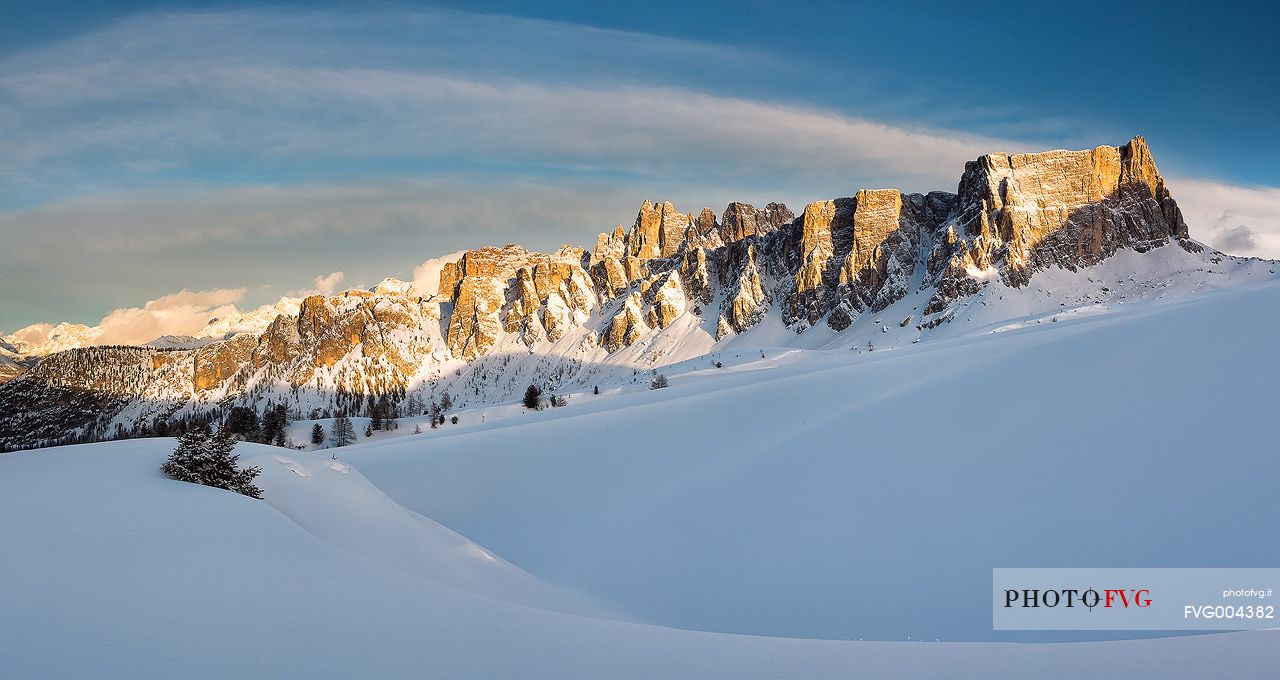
(344, 432)
(208, 460)
(532, 397)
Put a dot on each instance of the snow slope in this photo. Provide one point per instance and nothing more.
(868, 495)
(116, 572)
(335, 503)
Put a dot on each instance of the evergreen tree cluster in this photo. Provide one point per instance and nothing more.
(243, 422)
(207, 459)
(383, 415)
(274, 422)
(438, 408)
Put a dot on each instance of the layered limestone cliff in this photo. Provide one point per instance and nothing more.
(1022, 213)
(576, 310)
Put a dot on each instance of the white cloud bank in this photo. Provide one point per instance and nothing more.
(182, 313)
(1234, 219)
(426, 276)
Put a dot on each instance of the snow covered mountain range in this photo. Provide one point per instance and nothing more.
(1026, 238)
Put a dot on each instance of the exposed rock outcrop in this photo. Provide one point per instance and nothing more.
(666, 300)
(658, 232)
(745, 302)
(1024, 212)
(741, 220)
(215, 363)
(826, 233)
(627, 326)
(696, 275)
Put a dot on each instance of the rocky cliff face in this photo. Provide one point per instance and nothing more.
(513, 291)
(1023, 213)
(505, 316)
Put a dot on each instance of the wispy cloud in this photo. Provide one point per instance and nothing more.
(650, 131)
(129, 224)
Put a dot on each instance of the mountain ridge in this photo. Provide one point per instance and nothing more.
(670, 287)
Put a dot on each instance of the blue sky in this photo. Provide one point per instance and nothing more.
(147, 148)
